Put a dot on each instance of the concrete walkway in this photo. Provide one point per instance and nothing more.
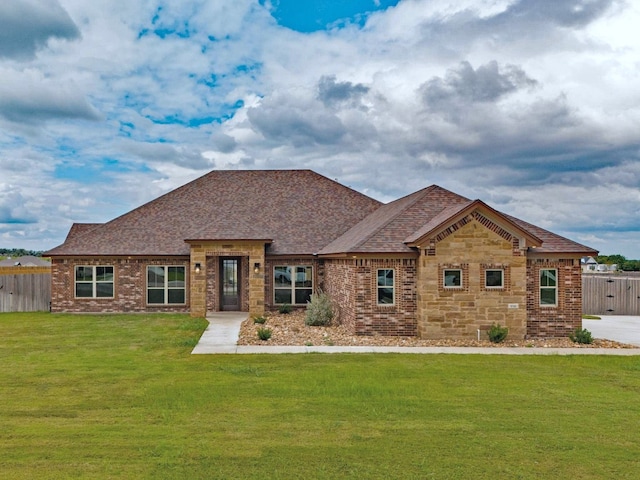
(621, 328)
(221, 336)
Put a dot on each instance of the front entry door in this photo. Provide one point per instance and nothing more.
(230, 284)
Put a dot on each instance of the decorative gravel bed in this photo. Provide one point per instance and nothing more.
(290, 329)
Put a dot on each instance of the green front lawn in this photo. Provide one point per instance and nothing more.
(121, 397)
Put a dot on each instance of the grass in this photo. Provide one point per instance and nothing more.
(121, 397)
(591, 317)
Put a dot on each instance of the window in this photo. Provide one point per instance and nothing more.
(94, 282)
(165, 285)
(453, 278)
(548, 287)
(292, 285)
(493, 278)
(385, 286)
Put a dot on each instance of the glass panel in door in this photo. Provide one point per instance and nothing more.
(230, 280)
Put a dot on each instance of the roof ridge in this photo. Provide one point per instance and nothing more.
(419, 195)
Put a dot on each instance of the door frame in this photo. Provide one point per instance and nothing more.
(237, 306)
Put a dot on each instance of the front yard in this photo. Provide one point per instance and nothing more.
(120, 396)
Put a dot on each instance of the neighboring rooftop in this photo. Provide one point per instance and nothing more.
(25, 261)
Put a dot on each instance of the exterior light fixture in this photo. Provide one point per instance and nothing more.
(198, 267)
(256, 267)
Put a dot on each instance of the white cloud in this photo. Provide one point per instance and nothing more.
(527, 104)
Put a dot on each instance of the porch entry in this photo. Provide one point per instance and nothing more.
(230, 286)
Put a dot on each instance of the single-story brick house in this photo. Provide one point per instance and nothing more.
(432, 264)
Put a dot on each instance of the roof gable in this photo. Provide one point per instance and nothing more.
(386, 229)
(412, 220)
(452, 215)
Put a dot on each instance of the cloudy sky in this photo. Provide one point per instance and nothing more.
(530, 105)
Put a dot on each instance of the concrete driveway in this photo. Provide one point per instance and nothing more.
(621, 328)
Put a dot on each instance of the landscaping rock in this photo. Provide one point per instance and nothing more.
(290, 329)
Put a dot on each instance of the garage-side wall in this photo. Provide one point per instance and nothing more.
(353, 285)
(398, 319)
(563, 319)
(130, 285)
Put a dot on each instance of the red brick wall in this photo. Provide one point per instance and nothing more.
(339, 284)
(557, 321)
(352, 284)
(130, 294)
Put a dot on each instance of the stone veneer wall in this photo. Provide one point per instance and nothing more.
(473, 245)
(130, 286)
(203, 284)
(557, 321)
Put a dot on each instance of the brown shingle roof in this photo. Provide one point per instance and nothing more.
(293, 211)
(300, 211)
(386, 229)
(80, 229)
(451, 215)
(405, 221)
(553, 243)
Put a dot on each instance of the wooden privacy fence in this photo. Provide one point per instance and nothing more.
(610, 295)
(25, 289)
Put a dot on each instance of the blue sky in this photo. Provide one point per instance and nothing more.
(529, 105)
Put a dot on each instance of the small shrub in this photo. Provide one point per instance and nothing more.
(264, 333)
(319, 310)
(259, 319)
(581, 336)
(285, 308)
(497, 334)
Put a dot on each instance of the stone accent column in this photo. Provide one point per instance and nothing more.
(198, 281)
(253, 251)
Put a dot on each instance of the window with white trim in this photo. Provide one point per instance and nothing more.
(94, 281)
(548, 287)
(166, 285)
(386, 286)
(452, 278)
(292, 284)
(494, 278)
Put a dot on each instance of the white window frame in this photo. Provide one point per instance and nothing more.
(94, 281)
(392, 286)
(166, 287)
(292, 288)
(498, 287)
(444, 277)
(547, 287)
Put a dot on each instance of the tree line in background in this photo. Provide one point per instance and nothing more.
(620, 260)
(18, 252)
